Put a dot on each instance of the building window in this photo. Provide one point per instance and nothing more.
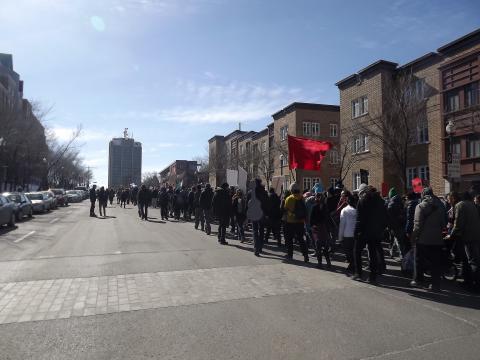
(360, 144)
(333, 182)
(473, 148)
(412, 173)
(423, 172)
(471, 94)
(334, 158)
(452, 101)
(359, 107)
(422, 133)
(242, 150)
(283, 133)
(307, 129)
(333, 130)
(315, 181)
(307, 183)
(264, 146)
(356, 180)
(315, 129)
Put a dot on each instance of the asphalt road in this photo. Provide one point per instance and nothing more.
(75, 287)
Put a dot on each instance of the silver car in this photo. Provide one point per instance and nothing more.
(7, 212)
(40, 201)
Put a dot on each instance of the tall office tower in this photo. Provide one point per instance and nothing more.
(124, 162)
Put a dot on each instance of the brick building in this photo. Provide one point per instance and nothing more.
(446, 81)
(180, 173)
(264, 154)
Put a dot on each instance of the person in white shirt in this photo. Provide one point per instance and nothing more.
(346, 231)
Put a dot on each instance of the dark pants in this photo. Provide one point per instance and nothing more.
(273, 226)
(241, 227)
(207, 215)
(92, 208)
(321, 237)
(372, 245)
(429, 257)
(295, 231)
(258, 236)
(348, 243)
(143, 210)
(164, 211)
(102, 207)
(222, 228)
(471, 265)
(199, 218)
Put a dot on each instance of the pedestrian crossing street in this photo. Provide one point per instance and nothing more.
(74, 297)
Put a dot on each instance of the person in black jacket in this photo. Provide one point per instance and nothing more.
(102, 201)
(258, 217)
(93, 198)
(274, 217)
(319, 218)
(197, 210)
(222, 208)
(369, 230)
(396, 221)
(206, 198)
(163, 203)
(240, 213)
(143, 199)
(412, 202)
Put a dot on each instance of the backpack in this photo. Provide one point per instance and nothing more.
(300, 210)
(254, 211)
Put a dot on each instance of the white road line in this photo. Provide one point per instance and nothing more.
(54, 220)
(24, 237)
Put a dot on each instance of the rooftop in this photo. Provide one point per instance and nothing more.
(305, 106)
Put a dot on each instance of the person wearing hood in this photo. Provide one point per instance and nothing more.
(427, 237)
(466, 231)
(369, 230)
(206, 198)
(396, 220)
(222, 207)
(295, 224)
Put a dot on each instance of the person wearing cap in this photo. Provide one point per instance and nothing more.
(369, 229)
(295, 225)
(222, 208)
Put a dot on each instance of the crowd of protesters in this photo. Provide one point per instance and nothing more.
(430, 235)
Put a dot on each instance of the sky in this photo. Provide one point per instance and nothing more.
(177, 72)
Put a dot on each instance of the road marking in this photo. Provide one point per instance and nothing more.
(54, 220)
(24, 237)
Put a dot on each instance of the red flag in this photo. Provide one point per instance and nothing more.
(306, 154)
(417, 185)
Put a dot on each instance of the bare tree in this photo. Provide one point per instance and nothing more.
(346, 160)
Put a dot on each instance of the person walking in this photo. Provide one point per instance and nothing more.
(369, 230)
(102, 201)
(143, 199)
(396, 222)
(274, 221)
(206, 198)
(124, 198)
(93, 199)
(295, 225)
(119, 195)
(257, 208)
(222, 207)
(466, 230)
(318, 222)
(427, 238)
(346, 230)
(111, 195)
(163, 203)
(240, 213)
(198, 213)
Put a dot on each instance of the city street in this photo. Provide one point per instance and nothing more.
(75, 287)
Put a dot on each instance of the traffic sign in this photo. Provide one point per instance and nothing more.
(453, 167)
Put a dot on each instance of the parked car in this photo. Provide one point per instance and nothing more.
(40, 201)
(52, 199)
(83, 190)
(74, 196)
(61, 196)
(23, 205)
(7, 212)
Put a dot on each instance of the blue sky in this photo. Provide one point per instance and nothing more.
(176, 72)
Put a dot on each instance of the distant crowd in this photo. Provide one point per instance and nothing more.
(431, 235)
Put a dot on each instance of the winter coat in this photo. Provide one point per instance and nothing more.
(274, 206)
(163, 198)
(222, 203)
(410, 215)
(396, 213)
(239, 208)
(467, 222)
(290, 208)
(429, 221)
(348, 219)
(371, 217)
(206, 198)
(261, 196)
(102, 197)
(143, 196)
(196, 199)
(319, 215)
(93, 195)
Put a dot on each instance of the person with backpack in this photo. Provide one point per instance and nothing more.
(256, 209)
(240, 213)
(295, 223)
(206, 198)
(222, 206)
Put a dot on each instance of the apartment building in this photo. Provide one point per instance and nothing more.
(264, 154)
(180, 173)
(445, 86)
(313, 121)
(124, 162)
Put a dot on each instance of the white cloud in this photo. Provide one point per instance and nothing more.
(220, 103)
(65, 134)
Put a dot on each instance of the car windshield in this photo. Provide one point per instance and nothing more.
(57, 192)
(15, 198)
(35, 196)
